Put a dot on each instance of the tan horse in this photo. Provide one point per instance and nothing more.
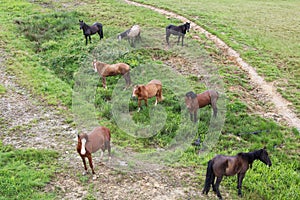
(222, 165)
(195, 101)
(105, 70)
(143, 92)
(87, 144)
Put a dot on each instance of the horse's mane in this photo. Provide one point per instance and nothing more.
(85, 136)
(191, 94)
(250, 156)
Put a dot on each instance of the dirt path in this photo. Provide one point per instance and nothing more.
(281, 105)
(26, 122)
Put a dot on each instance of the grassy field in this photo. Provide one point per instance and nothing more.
(265, 33)
(24, 173)
(51, 52)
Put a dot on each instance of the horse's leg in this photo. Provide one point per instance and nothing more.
(239, 186)
(84, 163)
(191, 116)
(90, 38)
(182, 40)
(213, 183)
(156, 100)
(195, 115)
(218, 181)
(214, 106)
(86, 40)
(139, 104)
(104, 82)
(91, 163)
(178, 39)
(167, 37)
(108, 149)
(101, 154)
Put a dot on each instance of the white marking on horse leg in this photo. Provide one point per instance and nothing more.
(84, 173)
(101, 155)
(94, 177)
(83, 151)
(139, 109)
(156, 102)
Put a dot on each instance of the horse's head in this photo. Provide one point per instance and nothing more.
(187, 26)
(136, 90)
(264, 157)
(191, 100)
(82, 139)
(81, 24)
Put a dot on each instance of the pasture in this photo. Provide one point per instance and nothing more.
(54, 60)
(263, 32)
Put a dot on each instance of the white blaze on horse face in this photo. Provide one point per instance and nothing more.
(83, 151)
(133, 92)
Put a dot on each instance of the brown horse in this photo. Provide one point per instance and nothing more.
(143, 92)
(194, 101)
(87, 144)
(222, 165)
(105, 70)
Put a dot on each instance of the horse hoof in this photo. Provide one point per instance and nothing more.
(94, 177)
(84, 173)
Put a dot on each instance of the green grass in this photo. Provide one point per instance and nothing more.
(24, 173)
(2, 89)
(265, 33)
(51, 53)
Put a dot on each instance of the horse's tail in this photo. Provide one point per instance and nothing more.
(160, 96)
(209, 177)
(127, 78)
(100, 30)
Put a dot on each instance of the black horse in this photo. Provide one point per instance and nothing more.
(222, 165)
(177, 30)
(91, 30)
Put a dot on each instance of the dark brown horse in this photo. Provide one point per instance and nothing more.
(91, 30)
(195, 101)
(143, 92)
(222, 165)
(105, 70)
(87, 144)
(177, 30)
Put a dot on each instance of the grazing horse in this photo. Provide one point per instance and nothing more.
(222, 165)
(91, 30)
(143, 92)
(194, 101)
(105, 70)
(133, 34)
(87, 144)
(177, 30)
